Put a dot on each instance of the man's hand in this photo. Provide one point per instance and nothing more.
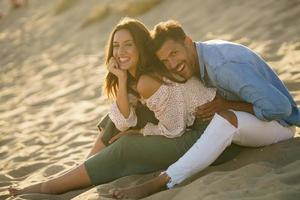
(207, 111)
(128, 132)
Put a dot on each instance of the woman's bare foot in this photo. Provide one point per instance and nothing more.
(75, 178)
(150, 187)
(37, 188)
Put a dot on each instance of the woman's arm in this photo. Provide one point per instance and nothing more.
(122, 93)
(122, 112)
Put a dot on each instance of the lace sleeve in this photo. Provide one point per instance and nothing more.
(168, 105)
(119, 120)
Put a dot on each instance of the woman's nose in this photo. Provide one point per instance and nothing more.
(121, 50)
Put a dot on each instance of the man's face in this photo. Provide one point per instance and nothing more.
(178, 58)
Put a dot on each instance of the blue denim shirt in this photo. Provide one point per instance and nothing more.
(240, 74)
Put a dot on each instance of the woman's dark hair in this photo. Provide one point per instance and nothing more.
(148, 63)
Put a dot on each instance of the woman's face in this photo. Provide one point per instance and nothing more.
(125, 50)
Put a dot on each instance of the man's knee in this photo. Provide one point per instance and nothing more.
(229, 116)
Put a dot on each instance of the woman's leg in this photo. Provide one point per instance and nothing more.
(78, 177)
(98, 145)
(71, 180)
(108, 129)
(136, 154)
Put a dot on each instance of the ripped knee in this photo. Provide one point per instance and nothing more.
(229, 116)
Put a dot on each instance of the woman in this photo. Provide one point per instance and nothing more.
(128, 56)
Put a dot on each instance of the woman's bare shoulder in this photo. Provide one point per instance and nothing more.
(147, 86)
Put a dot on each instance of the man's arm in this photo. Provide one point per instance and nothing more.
(207, 111)
(241, 79)
(240, 106)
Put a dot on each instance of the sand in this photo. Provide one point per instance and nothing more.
(51, 100)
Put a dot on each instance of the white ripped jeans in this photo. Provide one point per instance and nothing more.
(219, 134)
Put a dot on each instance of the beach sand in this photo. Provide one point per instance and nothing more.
(51, 90)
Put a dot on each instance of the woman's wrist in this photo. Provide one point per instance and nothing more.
(123, 78)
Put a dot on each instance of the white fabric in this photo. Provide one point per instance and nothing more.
(174, 105)
(218, 135)
(255, 133)
(117, 117)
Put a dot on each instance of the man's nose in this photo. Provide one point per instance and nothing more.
(173, 64)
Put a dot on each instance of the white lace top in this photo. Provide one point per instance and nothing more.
(173, 105)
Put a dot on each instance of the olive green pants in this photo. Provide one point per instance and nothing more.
(138, 154)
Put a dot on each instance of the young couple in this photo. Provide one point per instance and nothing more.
(201, 97)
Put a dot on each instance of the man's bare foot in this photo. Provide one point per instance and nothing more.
(37, 188)
(150, 187)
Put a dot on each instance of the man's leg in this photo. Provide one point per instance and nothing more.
(221, 131)
(253, 132)
(217, 136)
(226, 127)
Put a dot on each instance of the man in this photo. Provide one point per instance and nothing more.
(258, 109)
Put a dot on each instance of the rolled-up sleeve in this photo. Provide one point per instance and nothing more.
(241, 79)
(117, 117)
(119, 120)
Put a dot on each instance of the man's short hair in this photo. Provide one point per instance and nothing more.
(164, 31)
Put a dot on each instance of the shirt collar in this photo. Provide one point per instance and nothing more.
(199, 49)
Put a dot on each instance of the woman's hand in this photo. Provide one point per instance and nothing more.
(128, 132)
(114, 68)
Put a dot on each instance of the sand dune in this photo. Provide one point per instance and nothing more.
(51, 99)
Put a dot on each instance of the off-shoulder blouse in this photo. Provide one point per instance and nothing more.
(173, 105)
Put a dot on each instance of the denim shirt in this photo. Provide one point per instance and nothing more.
(239, 74)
